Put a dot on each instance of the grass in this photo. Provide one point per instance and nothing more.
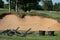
(35, 36)
(48, 14)
(52, 14)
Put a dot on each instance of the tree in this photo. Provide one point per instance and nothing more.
(47, 5)
(30, 4)
(12, 4)
(57, 7)
(26, 4)
(9, 6)
(1, 4)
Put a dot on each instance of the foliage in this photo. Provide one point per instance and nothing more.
(57, 7)
(47, 5)
(1, 4)
(28, 4)
(34, 4)
(34, 36)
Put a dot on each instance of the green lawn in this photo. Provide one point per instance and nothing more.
(32, 37)
(52, 14)
(49, 14)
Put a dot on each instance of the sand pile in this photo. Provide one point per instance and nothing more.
(34, 22)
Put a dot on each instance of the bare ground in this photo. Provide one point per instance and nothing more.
(35, 22)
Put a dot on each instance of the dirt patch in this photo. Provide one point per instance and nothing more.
(3, 15)
(35, 22)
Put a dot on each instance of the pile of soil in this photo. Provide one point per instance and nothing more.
(35, 22)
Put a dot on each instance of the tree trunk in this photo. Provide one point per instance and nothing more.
(9, 6)
(16, 6)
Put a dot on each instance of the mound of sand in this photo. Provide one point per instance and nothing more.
(35, 22)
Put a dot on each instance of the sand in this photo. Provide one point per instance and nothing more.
(36, 23)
